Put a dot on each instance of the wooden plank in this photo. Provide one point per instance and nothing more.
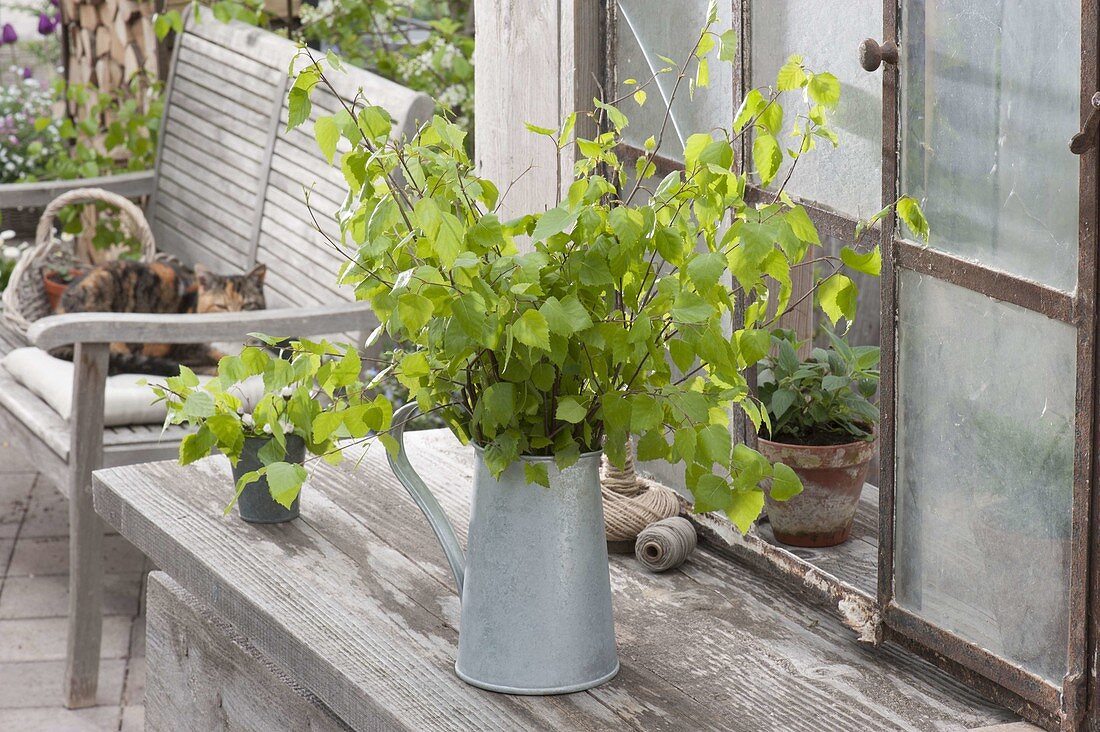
(292, 176)
(311, 279)
(203, 675)
(199, 97)
(85, 527)
(316, 259)
(221, 111)
(214, 85)
(363, 605)
(129, 185)
(193, 165)
(191, 247)
(60, 330)
(293, 214)
(269, 148)
(239, 141)
(179, 168)
(199, 51)
(246, 40)
(232, 216)
(204, 73)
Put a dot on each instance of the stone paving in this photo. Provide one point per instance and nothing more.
(34, 558)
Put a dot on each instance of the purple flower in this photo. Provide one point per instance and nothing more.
(55, 3)
(45, 24)
(28, 72)
(8, 34)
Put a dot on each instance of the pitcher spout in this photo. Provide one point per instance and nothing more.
(427, 502)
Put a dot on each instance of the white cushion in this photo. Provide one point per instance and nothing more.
(127, 401)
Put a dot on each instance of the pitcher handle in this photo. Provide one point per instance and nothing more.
(420, 493)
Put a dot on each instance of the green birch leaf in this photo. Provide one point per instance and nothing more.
(327, 134)
(536, 472)
(284, 482)
(824, 89)
(910, 212)
(744, 508)
(838, 297)
(711, 493)
(727, 46)
(866, 262)
(767, 157)
(785, 483)
(531, 329)
(571, 410)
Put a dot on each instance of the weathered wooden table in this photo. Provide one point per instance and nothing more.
(347, 618)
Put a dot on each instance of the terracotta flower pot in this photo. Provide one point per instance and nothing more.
(55, 286)
(832, 480)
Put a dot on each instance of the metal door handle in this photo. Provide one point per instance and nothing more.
(1085, 140)
(872, 54)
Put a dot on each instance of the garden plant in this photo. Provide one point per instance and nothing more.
(610, 321)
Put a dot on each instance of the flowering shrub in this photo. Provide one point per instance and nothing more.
(27, 146)
(10, 252)
(424, 45)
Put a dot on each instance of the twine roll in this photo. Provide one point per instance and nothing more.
(666, 544)
(630, 503)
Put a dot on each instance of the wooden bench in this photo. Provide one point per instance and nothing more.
(227, 191)
(348, 617)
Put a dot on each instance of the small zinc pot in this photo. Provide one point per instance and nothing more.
(832, 480)
(255, 504)
(533, 582)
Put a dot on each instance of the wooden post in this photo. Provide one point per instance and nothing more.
(85, 527)
(537, 61)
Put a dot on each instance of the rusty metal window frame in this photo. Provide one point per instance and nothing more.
(1054, 707)
(1074, 704)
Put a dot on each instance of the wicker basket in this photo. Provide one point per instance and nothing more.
(25, 298)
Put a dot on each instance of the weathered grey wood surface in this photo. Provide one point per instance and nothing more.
(356, 603)
(210, 678)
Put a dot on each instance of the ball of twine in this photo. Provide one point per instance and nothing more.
(666, 544)
(631, 503)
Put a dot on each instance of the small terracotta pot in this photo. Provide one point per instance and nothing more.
(55, 288)
(832, 480)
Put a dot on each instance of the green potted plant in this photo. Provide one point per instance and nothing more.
(548, 339)
(821, 422)
(312, 398)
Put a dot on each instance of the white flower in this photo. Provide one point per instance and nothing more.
(11, 252)
(7, 234)
(67, 237)
(267, 429)
(286, 393)
(247, 421)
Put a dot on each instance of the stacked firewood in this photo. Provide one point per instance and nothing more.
(109, 42)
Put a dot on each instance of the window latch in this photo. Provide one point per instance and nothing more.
(1085, 140)
(872, 54)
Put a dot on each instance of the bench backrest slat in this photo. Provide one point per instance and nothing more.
(231, 180)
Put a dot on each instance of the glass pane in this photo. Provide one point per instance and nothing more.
(985, 440)
(990, 99)
(646, 30)
(847, 179)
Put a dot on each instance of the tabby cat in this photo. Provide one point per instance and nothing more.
(161, 287)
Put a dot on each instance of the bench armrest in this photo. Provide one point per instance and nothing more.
(64, 330)
(40, 193)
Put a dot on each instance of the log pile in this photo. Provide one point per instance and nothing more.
(109, 42)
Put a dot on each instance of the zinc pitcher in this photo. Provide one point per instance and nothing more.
(534, 583)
